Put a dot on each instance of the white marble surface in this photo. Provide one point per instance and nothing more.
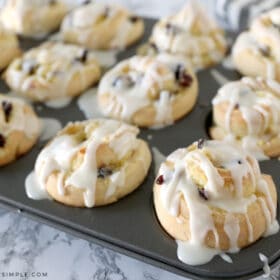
(31, 250)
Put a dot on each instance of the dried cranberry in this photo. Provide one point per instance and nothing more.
(83, 57)
(154, 47)
(200, 143)
(236, 106)
(185, 80)
(265, 50)
(160, 180)
(182, 77)
(2, 141)
(7, 108)
(203, 193)
(106, 11)
(133, 19)
(104, 172)
(172, 29)
(29, 67)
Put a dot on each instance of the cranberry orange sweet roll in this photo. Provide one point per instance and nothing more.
(19, 128)
(91, 163)
(248, 111)
(191, 33)
(256, 51)
(212, 198)
(148, 91)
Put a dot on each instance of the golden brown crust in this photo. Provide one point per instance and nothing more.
(53, 70)
(34, 19)
(181, 230)
(190, 33)
(251, 221)
(134, 176)
(9, 47)
(115, 172)
(16, 136)
(181, 99)
(253, 112)
(101, 26)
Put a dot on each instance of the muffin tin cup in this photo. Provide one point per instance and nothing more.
(130, 226)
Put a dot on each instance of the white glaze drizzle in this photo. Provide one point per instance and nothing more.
(146, 78)
(206, 43)
(177, 181)
(50, 127)
(252, 101)
(56, 63)
(106, 58)
(58, 103)
(266, 268)
(88, 104)
(228, 63)
(86, 18)
(158, 159)
(58, 154)
(219, 77)
(19, 119)
(35, 11)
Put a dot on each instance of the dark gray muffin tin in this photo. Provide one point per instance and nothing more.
(130, 226)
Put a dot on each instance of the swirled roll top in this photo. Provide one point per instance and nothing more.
(218, 170)
(17, 115)
(53, 70)
(266, 30)
(249, 109)
(256, 51)
(101, 26)
(89, 163)
(33, 18)
(213, 195)
(19, 128)
(193, 33)
(148, 91)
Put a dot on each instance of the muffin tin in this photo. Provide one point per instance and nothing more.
(130, 226)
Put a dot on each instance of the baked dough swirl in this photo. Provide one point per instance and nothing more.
(191, 33)
(213, 195)
(91, 163)
(19, 128)
(9, 46)
(248, 111)
(32, 18)
(256, 52)
(101, 26)
(148, 91)
(52, 71)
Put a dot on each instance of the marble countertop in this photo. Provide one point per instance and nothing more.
(31, 250)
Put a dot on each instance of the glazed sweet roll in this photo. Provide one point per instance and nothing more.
(52, 71)
(256, 51)
(248, 111)
(148, 91)
(19, 128)
(90, 163)
(191, 33)
(32, 18)
(101, 26)
(212, 198)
